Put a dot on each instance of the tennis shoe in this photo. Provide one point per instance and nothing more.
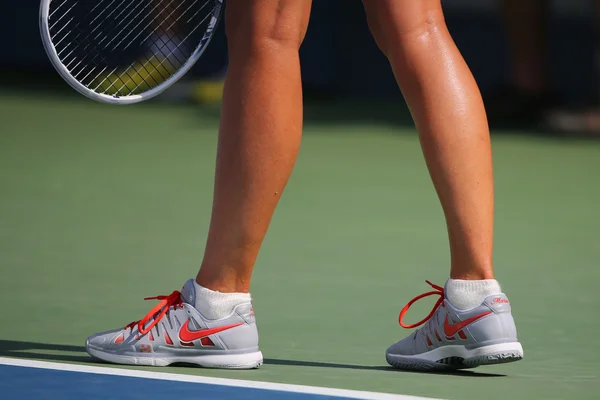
(451, 339)
(174, 331)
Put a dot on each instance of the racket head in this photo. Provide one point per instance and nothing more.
(214, 12)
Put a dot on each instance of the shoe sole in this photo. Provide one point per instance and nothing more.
(221, 361)
(447, 358)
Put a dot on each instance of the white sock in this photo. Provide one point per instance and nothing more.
(465, 295)
(217, 305)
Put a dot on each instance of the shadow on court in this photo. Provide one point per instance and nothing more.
(318, 364)
(71, 353)
(43, 351)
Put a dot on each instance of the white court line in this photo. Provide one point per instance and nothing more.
(353, 394)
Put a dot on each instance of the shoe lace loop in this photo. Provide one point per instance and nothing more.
(159, 311)
(438, 291)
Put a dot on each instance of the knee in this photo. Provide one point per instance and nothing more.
(269, 26)
(395, 34)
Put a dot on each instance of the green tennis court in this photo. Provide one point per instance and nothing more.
(102, 206)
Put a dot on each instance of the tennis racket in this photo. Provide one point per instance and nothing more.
(126, 51)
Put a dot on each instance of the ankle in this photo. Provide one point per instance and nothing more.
(223, 282)
(472, 275)
(469, 269)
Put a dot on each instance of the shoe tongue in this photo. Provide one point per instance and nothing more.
(188, 292)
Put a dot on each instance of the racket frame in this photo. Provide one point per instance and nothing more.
(134, 98)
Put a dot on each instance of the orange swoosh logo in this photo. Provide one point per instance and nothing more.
(451, 329)
(189, 336)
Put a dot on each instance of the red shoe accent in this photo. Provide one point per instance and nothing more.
(439, 291)
(189, 336)
(145, 348)
(428, 341)
(159, 311)
(462, 335)
(437, 335)
(206, 342)
(451, 330)
(185, 335)
(120, 338)
(151, 337)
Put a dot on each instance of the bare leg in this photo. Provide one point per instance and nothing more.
(448, 111)
(261, 129)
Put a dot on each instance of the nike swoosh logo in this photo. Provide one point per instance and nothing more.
(451, 329)
(189, 336)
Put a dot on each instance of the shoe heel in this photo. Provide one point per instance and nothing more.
(495, 354)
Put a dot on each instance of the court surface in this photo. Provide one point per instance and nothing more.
(102, 206)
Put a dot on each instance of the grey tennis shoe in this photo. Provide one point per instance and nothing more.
(175, 332)
(454, 339)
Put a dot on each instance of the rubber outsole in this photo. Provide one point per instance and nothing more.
(220, 361)
(450, 358)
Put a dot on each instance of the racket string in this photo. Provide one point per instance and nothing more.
(166, 57)
(125, 47)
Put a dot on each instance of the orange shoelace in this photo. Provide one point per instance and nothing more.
(174, 300)
(159, 311)
(439, 291)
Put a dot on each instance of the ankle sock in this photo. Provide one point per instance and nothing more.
(217, 305)
(464, 294)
